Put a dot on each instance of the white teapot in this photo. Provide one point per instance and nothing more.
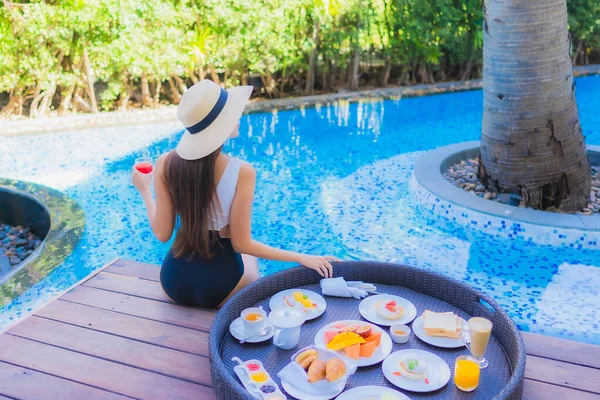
(287, 322)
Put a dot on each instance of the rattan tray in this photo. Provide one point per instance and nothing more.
(503, 379)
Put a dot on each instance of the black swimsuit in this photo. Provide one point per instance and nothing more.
(201, 282)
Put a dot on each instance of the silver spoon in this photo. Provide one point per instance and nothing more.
(266, 330)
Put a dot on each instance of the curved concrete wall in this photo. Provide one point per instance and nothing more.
(441, 197)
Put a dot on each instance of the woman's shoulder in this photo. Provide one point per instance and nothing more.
(246, 169)
(163, 158)
(243, 165)
(161, 162)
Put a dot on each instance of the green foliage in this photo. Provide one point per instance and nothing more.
(69, 55)
(584, 24)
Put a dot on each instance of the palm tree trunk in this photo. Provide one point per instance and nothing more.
(146, 98)
(353, 79)
(312, 62)
(175, 95)
(193, 77)
(90, 80)
(46, 102)
(387, 71)
(214, 75)
(180, 83)
(125, 95)
(157, 87)
(531, 140)
(37, 97)
(65, 102)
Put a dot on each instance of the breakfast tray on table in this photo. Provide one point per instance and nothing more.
(503, 379)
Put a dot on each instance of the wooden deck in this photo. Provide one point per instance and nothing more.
(117, 336)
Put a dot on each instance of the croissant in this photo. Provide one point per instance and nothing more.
(305, 354)
(307, 362)
(316, 371)
(335, 369)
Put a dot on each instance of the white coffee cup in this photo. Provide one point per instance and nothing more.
(288, 322)
(252, 328)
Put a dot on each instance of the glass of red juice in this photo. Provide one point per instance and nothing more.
(144, 165)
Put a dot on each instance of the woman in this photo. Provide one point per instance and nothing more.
(213, 255)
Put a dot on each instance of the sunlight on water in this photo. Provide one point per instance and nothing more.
(331, 180)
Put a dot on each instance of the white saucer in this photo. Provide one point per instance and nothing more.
(366, 391)
(276, 302)
(438, 372)
(447, 343)
(296, 393)
(369, 312)
(237, 331)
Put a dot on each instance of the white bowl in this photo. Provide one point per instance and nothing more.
(400, 338)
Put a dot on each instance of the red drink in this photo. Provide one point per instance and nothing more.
(144, 167)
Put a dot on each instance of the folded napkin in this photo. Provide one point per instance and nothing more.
(339, 287)
(296, 376)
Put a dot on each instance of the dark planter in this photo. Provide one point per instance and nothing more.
(22, 209)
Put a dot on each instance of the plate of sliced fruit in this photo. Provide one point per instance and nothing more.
(357, 342)
(387, 310)
(307, 301)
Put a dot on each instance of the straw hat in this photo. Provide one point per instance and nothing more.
(209, 114)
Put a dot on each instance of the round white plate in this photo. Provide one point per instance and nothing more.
(367, 309)
(447, 343)
(362, 392)
(237, 331)
(378, 356)
(438, 372)
(276, 302)
(302, 395)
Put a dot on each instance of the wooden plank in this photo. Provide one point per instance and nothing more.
(136, 354)
(535, 390)
(562, 349)
(136, 269)
(59, 294)
(188, 317)
(97, 372)
(563, 374)
(26, 384)
(128, 285)
(144, 330)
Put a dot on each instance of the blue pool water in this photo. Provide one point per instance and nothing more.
(331, 180)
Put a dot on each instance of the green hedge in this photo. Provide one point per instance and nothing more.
(87, 55)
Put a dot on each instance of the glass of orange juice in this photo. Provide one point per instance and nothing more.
(466, 373)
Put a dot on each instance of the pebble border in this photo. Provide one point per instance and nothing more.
(67, 225)
(436, 195)
(464, 176)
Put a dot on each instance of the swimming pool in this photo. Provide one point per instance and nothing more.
(330, 180)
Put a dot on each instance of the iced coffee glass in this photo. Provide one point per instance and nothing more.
(477, 339)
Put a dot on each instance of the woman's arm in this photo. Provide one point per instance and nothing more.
(241, 236)
(160, 213)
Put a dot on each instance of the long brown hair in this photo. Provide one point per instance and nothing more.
(193, 191)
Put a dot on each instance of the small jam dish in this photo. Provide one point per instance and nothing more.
(400, 333)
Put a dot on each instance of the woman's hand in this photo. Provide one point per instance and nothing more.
(141, 181)
(320, 264)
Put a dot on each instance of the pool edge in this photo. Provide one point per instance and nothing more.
(67, 226)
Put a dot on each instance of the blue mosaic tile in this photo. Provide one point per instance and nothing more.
(331, 180)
